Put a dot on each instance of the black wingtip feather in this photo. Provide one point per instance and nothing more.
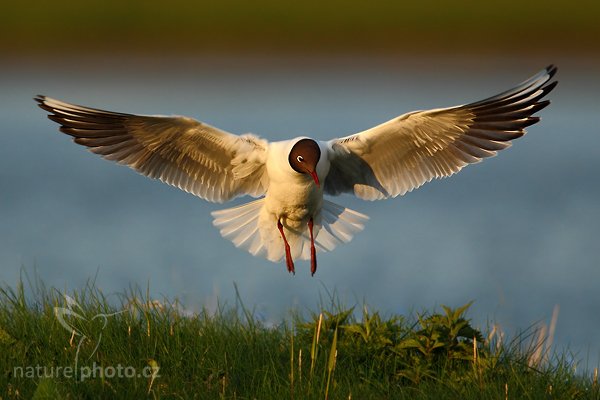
(549, 87)
(68, 131)
(45, 107)
(530, 121)
(41, 102)
(56, 118)
(540, 106)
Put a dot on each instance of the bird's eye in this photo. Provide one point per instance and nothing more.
(300, 158)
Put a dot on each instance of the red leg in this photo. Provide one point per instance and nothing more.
(288, 255)
(313, 251)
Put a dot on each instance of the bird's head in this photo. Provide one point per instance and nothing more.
(304, 157)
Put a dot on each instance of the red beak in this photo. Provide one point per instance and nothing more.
(315, 178)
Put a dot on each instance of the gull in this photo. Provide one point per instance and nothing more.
(291, 219)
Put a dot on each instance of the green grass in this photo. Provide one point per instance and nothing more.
(229, 354)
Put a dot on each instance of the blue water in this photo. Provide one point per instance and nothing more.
(518, 234)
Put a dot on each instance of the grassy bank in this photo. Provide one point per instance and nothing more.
(81, 345)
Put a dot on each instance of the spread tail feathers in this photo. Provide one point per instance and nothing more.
(251, 228)
(240, 225)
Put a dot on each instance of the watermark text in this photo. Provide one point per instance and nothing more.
(83, 373)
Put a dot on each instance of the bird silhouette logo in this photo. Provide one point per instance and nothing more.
(87, 329)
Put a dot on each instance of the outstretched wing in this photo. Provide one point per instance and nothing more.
(200, 159)
(402, 154)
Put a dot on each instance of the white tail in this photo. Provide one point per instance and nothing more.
(250, 227)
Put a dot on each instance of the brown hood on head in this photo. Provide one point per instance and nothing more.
(304, 157)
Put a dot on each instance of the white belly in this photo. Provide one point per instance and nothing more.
(294, 203)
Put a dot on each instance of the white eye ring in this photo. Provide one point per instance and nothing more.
(300, 159)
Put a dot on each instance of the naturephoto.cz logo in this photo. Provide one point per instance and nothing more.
(85, 372)
(88, 330)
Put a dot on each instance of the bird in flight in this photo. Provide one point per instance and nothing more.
(291, 219)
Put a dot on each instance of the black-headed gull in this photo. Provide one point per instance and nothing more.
(292, 220)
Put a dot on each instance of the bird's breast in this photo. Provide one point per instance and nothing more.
(297, 201)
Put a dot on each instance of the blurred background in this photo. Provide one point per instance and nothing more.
(517, 234)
